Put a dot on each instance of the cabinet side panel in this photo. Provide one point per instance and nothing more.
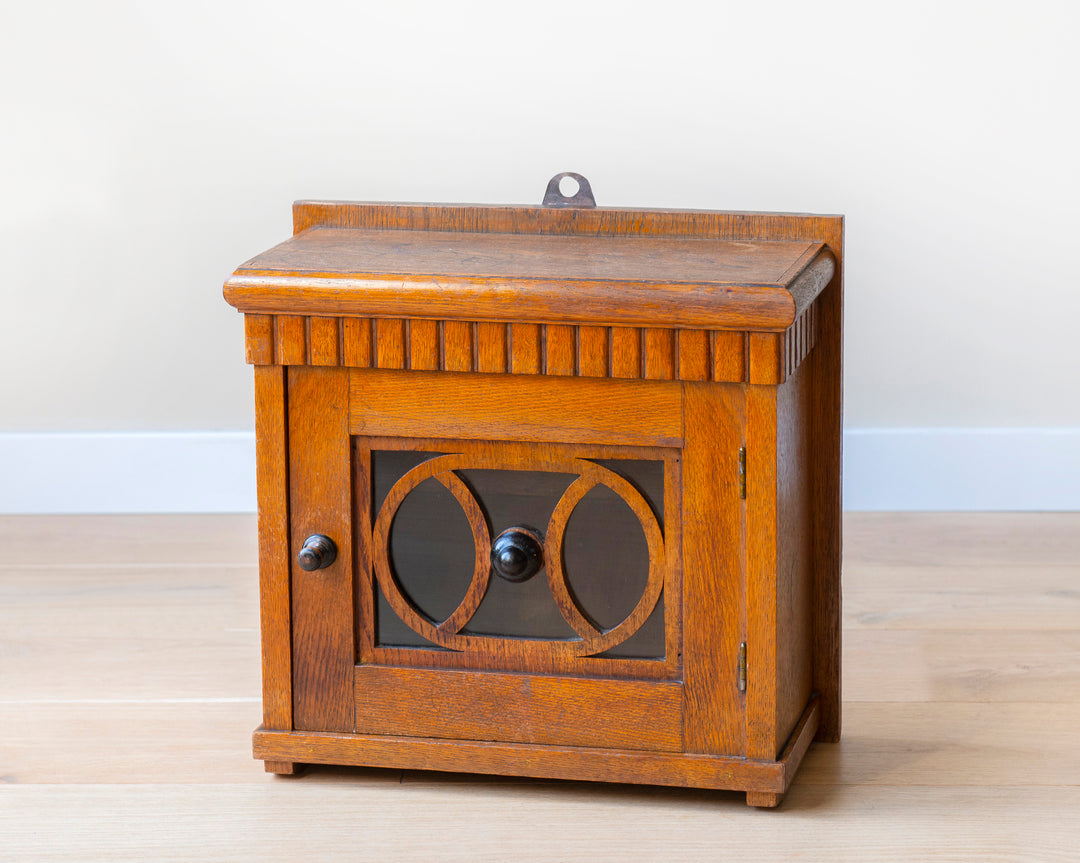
(320, 480)
(795, 562)
(826, 363)
(713, 569)
(272, 471)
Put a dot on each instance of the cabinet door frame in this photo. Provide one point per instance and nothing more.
(697, 709)
(509, 653)
(320, 502)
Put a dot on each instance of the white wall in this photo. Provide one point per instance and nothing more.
(146, 149)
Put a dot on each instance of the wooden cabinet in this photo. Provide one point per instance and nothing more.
(549, 491)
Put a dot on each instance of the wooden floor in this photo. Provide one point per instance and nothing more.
(129, 687)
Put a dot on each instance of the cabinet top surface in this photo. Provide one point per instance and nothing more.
(354, 252)
(604, 267)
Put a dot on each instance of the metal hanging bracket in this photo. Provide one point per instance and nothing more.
(583, 198)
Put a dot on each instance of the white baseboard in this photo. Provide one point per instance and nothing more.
(884, 469)
(1032, 469)
(127, 472)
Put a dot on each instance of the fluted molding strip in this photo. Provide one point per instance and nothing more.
(648, 353)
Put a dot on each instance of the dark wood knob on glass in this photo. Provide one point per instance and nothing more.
(517, 554)
(318, 552)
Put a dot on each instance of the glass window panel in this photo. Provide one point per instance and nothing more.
(647, 642)
(387, 467)
(518, 498)
(432, 552)
(605, 557)
(646, 476)
(391, 631)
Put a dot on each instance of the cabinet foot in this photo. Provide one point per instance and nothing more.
(763, 799)
(284, 768)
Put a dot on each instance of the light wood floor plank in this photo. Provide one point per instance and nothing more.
(110, 540)
(951, 744)
(129, 684)
(962, 665)
(129, 742)
(136, 599)
(126, 666)
(883, 744)
(131, 632)
(367, 820)
(993, 598)
(962, 538)
(984, 578)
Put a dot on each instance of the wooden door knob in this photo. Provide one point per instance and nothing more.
(318, 552)
(517, 554)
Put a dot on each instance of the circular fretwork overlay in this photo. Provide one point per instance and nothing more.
(448, 633)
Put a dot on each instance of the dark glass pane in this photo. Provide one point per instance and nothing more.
(432, 551)
(390, 631)
(605, 557)
(516, 498)
(387, 467)
(646, 476)
(525, 610)
(606, 560)
(647, 642)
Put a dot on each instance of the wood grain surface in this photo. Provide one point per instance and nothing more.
(661, 289)
(561, 350)
(827, 445)
(714, 585)
(764, 737)
(660, 281)
(320, 502)
(794, 552)
(272, 475)
(350, 251)
(515, 408)
(129, 684)
(531, 709)
(359, 815)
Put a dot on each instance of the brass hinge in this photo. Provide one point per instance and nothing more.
(742, 472)
(742, 667)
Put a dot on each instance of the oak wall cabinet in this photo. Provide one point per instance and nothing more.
(549, 491)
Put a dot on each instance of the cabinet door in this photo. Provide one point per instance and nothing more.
(421, 474)
(519, 591)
